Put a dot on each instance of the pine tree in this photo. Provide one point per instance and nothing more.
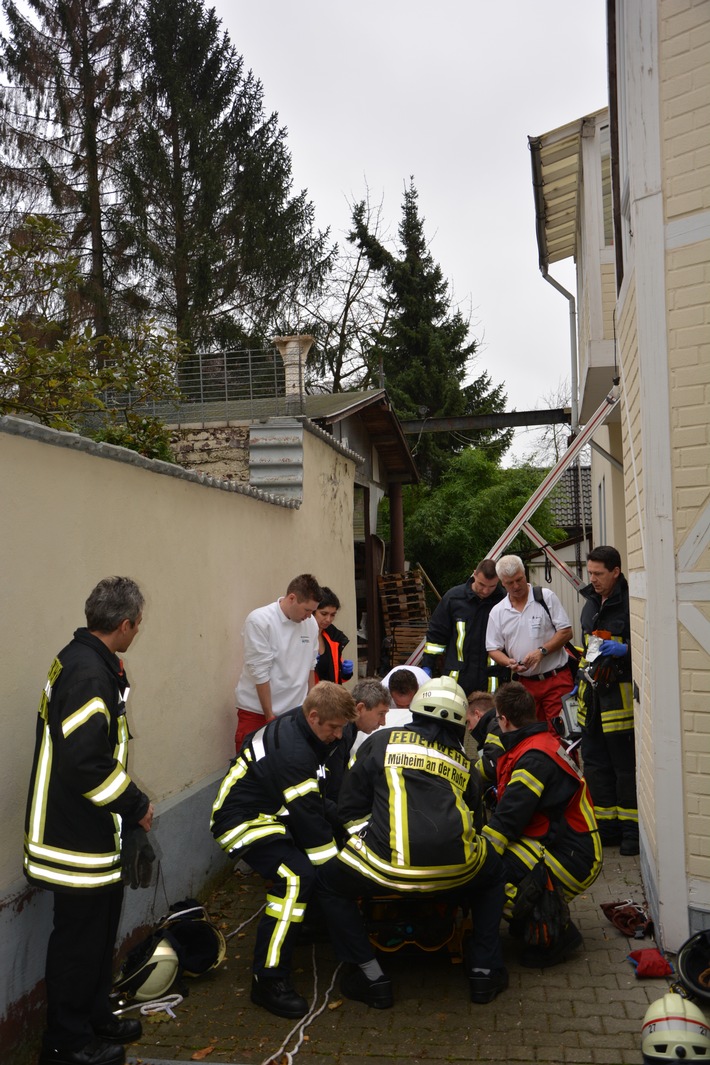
(219, 241)
(425, 348)
(63, 123)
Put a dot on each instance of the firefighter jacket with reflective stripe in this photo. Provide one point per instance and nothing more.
(409, 802)
(79, 787)
(612, 695)
(457, 630)
(542, 784)
(543, 801)
(277, 788)
(329, 664)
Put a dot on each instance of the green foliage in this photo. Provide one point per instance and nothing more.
(424, 344)
(65, 110)
(450, 528)
(64, 376)
(147, 436)
(218, 240)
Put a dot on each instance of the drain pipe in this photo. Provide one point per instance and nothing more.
(574, 384)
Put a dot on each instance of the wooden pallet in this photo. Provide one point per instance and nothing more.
(404, 612)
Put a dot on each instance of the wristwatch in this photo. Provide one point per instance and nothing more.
(543, 651)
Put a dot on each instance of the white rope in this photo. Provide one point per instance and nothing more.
(300, 1028)
(245, 923)
(166, 1004)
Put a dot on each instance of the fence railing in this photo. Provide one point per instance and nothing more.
(232, 385)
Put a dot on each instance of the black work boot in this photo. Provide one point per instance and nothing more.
(94, 1053)
(376, 993)
(629, 840)
(276, 995)
(485, 986)
(120, 1030)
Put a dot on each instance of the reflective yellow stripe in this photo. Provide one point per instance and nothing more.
(248, 832)
(319, 855)
(522, 776)
(413, 878)
(297, 791)
(75, 858)
(498, 840)
(54, 670)
(285, 912)
(399, 822)
(56, 876)
(434, 648)
(82, 715)
(113, 786)
(461, 633)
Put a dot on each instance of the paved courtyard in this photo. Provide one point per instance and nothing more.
(589, 1009)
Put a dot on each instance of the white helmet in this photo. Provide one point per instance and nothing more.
(149, 971)
(674, 1030)
(441, 697)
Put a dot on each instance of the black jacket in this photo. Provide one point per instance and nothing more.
(457, 630)
(79, 784)
(329, 665)
(410, 802)
(276, 788)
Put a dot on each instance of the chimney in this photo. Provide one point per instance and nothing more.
(294, 352)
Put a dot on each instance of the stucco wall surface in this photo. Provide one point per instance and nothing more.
(204, 557)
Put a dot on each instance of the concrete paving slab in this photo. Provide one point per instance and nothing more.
(586, 1011)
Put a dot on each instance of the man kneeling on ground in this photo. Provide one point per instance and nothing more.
(543, 808)
(409, 802)
(272, 810)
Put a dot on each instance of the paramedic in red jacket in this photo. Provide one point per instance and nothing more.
(543, 807)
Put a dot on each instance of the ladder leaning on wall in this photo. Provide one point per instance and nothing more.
(521, 524)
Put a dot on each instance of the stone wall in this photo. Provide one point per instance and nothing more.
(217, 450)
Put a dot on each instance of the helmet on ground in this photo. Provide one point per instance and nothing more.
(198, 943)
(674, 1030)
(693, 963)
(149, 970)
(441, 697)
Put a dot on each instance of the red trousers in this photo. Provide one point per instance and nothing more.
(548, 693)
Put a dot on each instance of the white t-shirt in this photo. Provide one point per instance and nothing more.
(280, 651)
(517, 632)
(396, 717)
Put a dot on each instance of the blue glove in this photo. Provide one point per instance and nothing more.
(611, 647)
(427, 670)
(574, 690)
(347, 665)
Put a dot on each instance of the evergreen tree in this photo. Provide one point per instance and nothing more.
(219, 241)
(425, 348)
(63, 122)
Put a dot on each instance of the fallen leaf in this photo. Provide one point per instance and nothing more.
(335, 1004)
(200, 1055)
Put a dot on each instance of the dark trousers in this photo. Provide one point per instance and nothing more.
(293, 878)
(609, 760)
(79, 970)
(339, 887)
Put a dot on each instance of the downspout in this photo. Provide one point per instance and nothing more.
(572, 344)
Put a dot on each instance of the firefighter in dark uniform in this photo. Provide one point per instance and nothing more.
(543, 808)
(456, 632)
(410, 802)
(272, 810)
(80, 796)
(606, 709)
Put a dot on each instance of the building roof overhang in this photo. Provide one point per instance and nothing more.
(555, 158)
(374, 409)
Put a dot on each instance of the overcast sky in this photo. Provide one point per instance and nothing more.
(448, 91)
